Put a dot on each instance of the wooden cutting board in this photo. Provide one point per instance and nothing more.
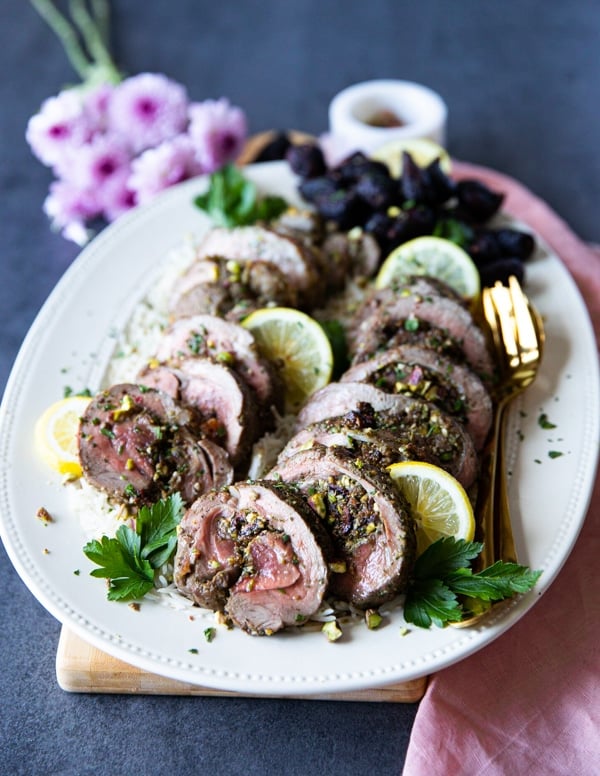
(83, 668)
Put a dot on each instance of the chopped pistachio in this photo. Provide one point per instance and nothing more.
(373, 619)
(332, 630)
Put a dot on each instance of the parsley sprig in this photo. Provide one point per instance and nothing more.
(233, 200)
(128, 560)
(443, 574)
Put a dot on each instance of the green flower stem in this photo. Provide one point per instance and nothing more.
(96, 64)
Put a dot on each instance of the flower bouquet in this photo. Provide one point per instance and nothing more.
(115, 142)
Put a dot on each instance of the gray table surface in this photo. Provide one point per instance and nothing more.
(521, 82)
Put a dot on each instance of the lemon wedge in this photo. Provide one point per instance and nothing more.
(438, 502)
(422, 151)
(56, 435)
(435, 257)
(297, 345)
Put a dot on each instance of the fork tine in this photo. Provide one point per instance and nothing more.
(489, 312)
(501, 299)
(527, 337)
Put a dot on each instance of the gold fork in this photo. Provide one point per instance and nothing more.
(518, 336)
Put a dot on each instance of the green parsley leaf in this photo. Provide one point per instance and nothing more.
(431, 601)
(157, 527)
(498, 581)
(130, 577)
(129, 558)
(443, 573)
(232, 200)
(444, 556)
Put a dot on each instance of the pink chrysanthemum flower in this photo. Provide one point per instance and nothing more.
(96, 102)
(218, 131)
(116, 196)
(68, 208)
(158, 168)
(93, 165)
(147, 109)
(61, 124)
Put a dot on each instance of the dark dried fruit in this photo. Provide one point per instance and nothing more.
(344, 207)
(306, 160)
(357, 165)
(441, 186)
(480, 202)
(312, 189)
(513, 242)
(501, 270)
(484, 247)
(377, 190)
(275, 149)
(414, 180)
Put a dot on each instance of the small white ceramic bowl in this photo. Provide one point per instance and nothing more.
(405, 109)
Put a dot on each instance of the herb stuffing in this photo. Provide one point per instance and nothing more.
(129, 559)
(443, 583)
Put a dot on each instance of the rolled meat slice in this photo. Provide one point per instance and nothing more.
(254, 243)
(230, 288)
(138, 444)
(420, 372)
(440, 322)
(338, 399)
(371, 529)
(251, 550)
(220, 398)
(382, 433)
(227, 343)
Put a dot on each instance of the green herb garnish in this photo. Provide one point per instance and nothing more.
(232, 200)
(453, 230)
(543, 422)
(128, 559)
(443, 573)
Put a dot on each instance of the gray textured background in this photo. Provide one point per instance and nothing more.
(521, 82)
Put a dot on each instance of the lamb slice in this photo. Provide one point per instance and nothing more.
(230, 288)
(198, 466)
(413, 312)
(226, 408)
(419, 371)
(253, 551)
(371, 529)
(414, 430)
(337, 399)
(244, 243)
(225, 342)
(420, 285)
(138, 444)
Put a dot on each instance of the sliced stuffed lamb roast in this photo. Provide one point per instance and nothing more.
(437, 321)
(138, 444)
(421, 372)
(256, 552)
(371, 529)
(223, 403)
(227, 343)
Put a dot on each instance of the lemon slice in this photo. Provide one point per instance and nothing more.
(435, 257)
(297, 345)
(438, 502)
(56, 434)
(422, 151)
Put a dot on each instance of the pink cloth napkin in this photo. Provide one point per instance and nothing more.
(529, 703)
